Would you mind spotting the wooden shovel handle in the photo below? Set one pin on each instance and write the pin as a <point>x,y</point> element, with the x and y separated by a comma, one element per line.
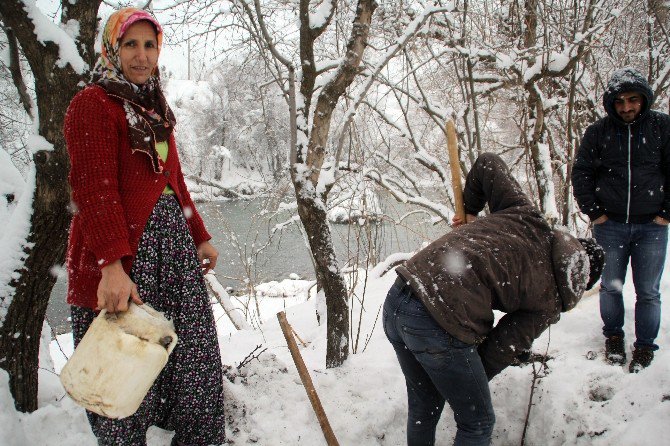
<point>455,166</point>
<point>331,440</point>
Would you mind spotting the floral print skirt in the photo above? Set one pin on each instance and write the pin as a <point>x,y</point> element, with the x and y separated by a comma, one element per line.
<point>187,397</point>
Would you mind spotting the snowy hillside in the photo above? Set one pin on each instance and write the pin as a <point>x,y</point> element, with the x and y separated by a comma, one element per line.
<point>579,401</point>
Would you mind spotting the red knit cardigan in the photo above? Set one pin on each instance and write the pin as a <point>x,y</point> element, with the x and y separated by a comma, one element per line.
<point>113,191</point>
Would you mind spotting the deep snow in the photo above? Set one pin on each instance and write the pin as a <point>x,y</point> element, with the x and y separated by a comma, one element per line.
<point>580,401</point>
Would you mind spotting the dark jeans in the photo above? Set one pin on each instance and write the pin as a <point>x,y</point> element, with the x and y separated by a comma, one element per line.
<point>645,245</point>
<point>437,367</point>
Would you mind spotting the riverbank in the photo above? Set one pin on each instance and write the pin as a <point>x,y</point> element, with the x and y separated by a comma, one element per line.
<point>257,247</point>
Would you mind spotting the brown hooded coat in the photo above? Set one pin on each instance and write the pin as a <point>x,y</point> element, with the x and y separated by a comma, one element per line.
<point>505,261</point>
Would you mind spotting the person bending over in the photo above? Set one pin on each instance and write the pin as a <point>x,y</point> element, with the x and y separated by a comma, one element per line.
<point>438,315</point>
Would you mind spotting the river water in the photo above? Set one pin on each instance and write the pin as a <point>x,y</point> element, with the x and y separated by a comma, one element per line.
<point>250,251</point>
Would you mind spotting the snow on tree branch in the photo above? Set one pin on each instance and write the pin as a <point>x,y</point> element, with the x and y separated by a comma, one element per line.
<point>47,31</point>
<point>13,239</point>
<point>405,196</point>
<point>411,30</point>
<point>319,19</point>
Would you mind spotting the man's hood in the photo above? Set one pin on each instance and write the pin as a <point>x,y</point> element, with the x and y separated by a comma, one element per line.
<point>625,80</point>
<point>571,268</point>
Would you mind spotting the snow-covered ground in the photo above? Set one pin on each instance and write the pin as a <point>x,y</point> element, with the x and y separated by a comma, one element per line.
<point>580,401</point>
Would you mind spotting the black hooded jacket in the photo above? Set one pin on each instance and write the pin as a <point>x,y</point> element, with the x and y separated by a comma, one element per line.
<point>622,169</point>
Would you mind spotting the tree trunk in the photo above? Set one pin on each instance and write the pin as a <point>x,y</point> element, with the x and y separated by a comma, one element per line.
<point>55,86</point>
<point>311,202</point>
<point>535,138</point>
<point>541,158</point>
<point>315,222</point>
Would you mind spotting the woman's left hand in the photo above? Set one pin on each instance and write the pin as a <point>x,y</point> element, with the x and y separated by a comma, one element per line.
<point>207,256</point>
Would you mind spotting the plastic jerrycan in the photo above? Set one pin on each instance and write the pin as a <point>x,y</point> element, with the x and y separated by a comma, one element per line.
<point>118,359</point>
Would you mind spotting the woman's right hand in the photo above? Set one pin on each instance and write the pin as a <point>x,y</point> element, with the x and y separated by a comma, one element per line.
<point>116,289</point>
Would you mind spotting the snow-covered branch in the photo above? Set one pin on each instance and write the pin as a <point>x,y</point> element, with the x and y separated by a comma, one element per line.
<point>46,31</point>
<point>400,43</point>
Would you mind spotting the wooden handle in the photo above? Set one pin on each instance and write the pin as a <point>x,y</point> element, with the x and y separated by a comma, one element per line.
<point>297,336</point>
<point>331,440</point>
<point>455,166</point>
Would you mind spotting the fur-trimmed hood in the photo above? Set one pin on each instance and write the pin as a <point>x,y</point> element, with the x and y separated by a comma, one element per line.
<point>571,268</point>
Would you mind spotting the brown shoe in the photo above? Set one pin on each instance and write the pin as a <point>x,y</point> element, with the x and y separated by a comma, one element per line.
<point>615,350</point>
<point>642,357</point>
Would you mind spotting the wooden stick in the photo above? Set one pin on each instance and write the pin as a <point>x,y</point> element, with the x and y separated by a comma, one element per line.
<point>331,440</point>
<point>223,298</point>
<point>455,166</point>
<point>304,344</point>
<point>530,404</point>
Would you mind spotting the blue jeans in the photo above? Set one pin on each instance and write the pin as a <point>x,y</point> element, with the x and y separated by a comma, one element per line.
<point>437,367</point>
<point>645,245</point>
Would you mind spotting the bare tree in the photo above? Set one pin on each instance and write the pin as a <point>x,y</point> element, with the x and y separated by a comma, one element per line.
<point>56,81</point>
<point>508,64</point>
<point>520,78</point>
<point>315,157</point>
<point>308,156</point>
<point>14,106</point>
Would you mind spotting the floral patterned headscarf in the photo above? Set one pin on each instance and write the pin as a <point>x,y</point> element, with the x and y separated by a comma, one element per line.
<point>149,117</point>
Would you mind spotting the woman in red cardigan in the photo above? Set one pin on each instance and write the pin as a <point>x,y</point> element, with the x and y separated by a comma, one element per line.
<point>137,235</point>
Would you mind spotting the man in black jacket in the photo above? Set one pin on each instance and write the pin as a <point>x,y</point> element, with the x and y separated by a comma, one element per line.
<point>439,314</point>
<point>620,178</point>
